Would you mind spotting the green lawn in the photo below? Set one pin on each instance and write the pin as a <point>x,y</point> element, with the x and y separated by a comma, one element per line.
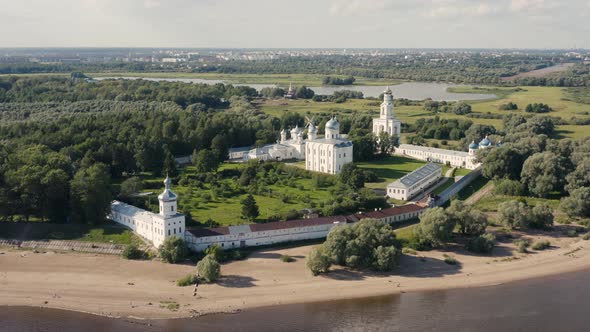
<point>473,187</point>
<point>490,203</point>
<point>390,169</point>
<point>448,182</point>
<point>462,171</point>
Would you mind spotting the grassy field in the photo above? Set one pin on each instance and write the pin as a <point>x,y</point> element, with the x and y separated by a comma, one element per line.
<point>390,169</point>
<point>490,203</point>
<point>560,99</point>
<point>278,79</point>
<point>107,233</point>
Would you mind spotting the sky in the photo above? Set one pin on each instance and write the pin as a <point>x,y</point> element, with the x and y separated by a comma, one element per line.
<point>296,23</point>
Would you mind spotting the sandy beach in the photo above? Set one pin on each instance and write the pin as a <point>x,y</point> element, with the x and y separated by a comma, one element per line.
<point>111,286</point>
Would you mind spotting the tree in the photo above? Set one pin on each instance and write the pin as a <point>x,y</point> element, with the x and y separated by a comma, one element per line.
<point>205,161</point>
<point>173,250</point>
<point>483,244</point>
<point>580,177</point>
<point>250,208</point>
<point>538,108</point>
<point>90,194</point>
<point>577,204</point>
<point>219,147</point>
<point>435,227</point>
<point>470,221</point>
<point>352,176</point>
<point>541,216</point>
<point>169,167</point>
<point>461,108</point>
<point>385,258</point>
<point>513,214</point>
<point>209,269</point>
<point>131,186</point>
<point>317,261</point>
<point>543,173</point>
<point>386,143</point>
<point>502,162</point>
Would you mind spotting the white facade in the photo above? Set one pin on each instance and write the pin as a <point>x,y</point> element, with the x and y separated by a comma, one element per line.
<point>329,154</point>
<point>454,158</point>
<point>415,182</point>
<point>151,226</point>
<point>386,121</point>
<point>288,231</point>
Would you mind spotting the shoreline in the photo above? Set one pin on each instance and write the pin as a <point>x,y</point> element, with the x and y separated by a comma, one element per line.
<point>140,290</point>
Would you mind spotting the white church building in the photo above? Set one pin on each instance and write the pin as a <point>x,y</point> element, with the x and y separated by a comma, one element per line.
<point>386,121</point>
<point>328,154</point>
<point>325,155</point>
<point>153,227</point>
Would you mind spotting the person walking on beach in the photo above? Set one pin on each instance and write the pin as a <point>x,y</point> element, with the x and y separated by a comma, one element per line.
<point>196,286</point>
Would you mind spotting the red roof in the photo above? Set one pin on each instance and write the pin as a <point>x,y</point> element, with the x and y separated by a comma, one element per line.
<point>298,223</point>
<point>204,232</point>
<point>394,211</point>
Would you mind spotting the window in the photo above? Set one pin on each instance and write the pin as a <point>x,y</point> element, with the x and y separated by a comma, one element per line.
<point>172,208</point>
<point>168,232</point>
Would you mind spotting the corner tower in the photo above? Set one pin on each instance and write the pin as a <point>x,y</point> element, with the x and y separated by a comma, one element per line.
<point>168,201</point>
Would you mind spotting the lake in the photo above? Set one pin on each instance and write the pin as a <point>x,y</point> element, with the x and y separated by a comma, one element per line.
<point>555,303</point>
<point>408,90</point>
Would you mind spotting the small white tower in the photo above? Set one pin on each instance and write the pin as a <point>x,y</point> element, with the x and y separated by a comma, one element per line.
<point>332,129</point>
<point>387,105</point>
<point>283,136</point>
<point>167,198</point>
<point>295,132</point>
<point>473,148</point>
<point>312,131</point>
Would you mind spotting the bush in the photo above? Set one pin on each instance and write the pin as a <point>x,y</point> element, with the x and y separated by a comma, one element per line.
<point>586,237</point>
<point>216,253</point>
<point>208,269</point>
<point>317,261</point>
<point>133,252</point>
<point>522,245</point>
<point>483,244</point>
<point>187,280</point>
<point>450,260</point>
<point>173,250</point>
<point>541,245</point>
<point>287,259</point>
<point>509,187</point>
<point>541,216</point>
<point>538,108</point>
<point>513,214</point>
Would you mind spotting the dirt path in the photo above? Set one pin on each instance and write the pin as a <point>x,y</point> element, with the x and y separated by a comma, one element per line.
<point>485,191</point>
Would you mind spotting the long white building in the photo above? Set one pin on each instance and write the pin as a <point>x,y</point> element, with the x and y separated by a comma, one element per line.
<point>453,158</point>
<point>153,227</point>
<point>415,182</point>
<point>386,122</point>
<point>287,231</point>
<point>328,154</point>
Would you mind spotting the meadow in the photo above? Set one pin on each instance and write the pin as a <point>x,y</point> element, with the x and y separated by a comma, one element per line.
<point>282,80</point>
<point>567,103</point>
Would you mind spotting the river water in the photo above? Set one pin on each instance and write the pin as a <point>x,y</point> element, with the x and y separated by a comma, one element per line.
<point>408,90</point>
<point>557,303</point>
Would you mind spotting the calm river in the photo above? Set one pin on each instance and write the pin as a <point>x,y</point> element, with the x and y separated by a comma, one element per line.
<point>549,304</point>
<point>408,90</point>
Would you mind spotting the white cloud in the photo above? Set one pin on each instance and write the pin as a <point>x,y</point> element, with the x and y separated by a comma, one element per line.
<point>518,5</point>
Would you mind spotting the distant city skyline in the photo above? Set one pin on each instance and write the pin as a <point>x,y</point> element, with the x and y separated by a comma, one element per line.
<point>536,24</point>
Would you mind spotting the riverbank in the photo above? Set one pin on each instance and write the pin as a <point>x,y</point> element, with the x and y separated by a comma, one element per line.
<point>111,286</point>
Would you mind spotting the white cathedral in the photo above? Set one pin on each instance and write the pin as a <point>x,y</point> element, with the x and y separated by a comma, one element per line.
<point>325,155</point>
<point>386,122</point>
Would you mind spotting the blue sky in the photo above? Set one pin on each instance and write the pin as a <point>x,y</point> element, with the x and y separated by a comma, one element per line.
<point>296,23</point>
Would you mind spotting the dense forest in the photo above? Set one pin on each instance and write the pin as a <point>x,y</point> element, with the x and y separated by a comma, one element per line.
<point>57,137</point>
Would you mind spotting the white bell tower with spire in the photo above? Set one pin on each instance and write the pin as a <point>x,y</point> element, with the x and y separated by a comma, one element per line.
<point>386,121</point>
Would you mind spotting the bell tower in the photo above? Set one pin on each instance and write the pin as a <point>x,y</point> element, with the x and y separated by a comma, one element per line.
<point>387,105</point>
<point>168,201</point>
